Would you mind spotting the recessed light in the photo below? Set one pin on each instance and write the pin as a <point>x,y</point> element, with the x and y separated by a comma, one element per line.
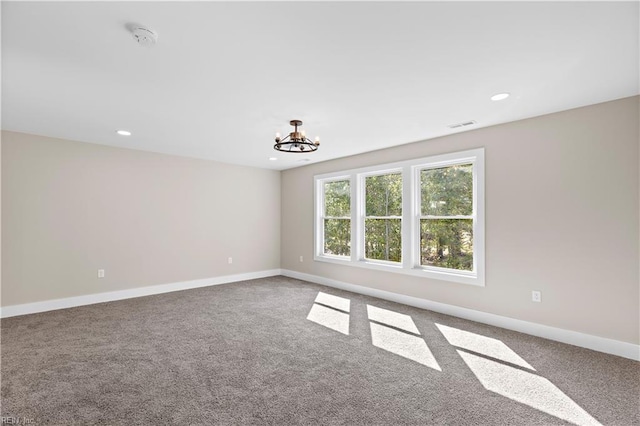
<point>500,96</point>
<point>123,132</point>
<point>272,158</point>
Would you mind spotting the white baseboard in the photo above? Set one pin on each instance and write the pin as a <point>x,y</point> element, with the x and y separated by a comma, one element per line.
<point>601,344</point>
<point>90,299</point>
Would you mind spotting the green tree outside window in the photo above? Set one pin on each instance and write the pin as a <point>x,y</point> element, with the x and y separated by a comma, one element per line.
<point>383,217</point>
<point>446,222</point>
<point>337,218</point>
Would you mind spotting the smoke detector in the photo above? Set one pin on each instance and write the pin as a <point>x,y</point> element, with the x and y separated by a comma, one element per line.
<point>144,36</point>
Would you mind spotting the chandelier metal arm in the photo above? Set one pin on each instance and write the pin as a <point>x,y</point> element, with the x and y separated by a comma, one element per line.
<point>296,142</point>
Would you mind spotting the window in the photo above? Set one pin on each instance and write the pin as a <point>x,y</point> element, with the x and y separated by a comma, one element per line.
<point>422,217</point>
<point>446,220</point>
<point>337,218</point>
<point>383,217</point>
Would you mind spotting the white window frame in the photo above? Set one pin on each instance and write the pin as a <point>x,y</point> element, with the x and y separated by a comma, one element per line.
<point>320,215</point>
<point>362,215</point>
<point>411,215</point>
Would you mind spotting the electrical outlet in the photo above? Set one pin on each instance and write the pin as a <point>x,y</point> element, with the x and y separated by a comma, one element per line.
<point>301,259</point>
<point>100,273</point>
<point>230,260</point>
<point>536,296</point>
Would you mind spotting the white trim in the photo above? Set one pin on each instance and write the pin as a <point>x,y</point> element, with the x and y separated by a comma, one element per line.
<point>362,215</point>
<point>319,206</point>
<point>409,232</point>
<point>461,277</point>
<point>357,250</point>
<point>90,299</point>
<point>596,343</point>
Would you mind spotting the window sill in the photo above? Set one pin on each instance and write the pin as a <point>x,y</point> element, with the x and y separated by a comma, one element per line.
<point>443,275</point>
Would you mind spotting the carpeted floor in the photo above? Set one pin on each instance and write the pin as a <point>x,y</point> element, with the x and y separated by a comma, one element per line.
<point>282,351</point>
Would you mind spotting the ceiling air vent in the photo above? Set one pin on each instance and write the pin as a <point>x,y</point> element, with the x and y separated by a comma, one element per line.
<point>458,125</point>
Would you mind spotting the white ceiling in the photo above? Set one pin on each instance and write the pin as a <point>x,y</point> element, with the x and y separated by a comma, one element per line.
<point>224,77</point>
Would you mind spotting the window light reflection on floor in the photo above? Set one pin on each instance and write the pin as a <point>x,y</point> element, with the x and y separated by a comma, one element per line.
<point>526,388</point>
<point>394,319</point>
<point>335,317</point>
<point>482,344</point>
<point>396,333</point>
<point>403,344</point>
<point>490,364</point>
<point>333,301</point>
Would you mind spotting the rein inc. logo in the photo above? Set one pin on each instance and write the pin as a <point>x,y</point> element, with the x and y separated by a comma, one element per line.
<point>7,420</point>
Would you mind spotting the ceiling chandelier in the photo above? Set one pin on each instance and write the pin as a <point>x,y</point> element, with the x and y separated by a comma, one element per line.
<point>296,141</point>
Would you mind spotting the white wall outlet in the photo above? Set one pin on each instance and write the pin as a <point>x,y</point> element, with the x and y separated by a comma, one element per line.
<point>536,296</point>
<point>230,260</point>
<point>100,273</point>
<point>301,259</point>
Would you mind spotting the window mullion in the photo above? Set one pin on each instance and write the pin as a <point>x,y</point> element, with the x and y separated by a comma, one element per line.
<point>408,255</point>
<point>356,226</point>
<point>319,218</point>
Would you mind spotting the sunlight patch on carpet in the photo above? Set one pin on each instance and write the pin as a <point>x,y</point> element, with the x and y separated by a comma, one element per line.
<point>394,319</point>
<point>482,345</point>
<point>403,344</point>
<point>526,388</point>
<point>330,318</point>
<point>334,301</point>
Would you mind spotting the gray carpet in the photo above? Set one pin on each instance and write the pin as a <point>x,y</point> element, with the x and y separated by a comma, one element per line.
<point>280,351</point>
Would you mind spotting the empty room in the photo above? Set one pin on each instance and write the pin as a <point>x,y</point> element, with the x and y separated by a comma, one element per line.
<point>329,213</point>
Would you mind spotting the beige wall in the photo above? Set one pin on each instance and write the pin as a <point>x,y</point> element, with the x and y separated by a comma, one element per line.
<point>561,217</point>
<point>0,222</point>
<point>70,208</point>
